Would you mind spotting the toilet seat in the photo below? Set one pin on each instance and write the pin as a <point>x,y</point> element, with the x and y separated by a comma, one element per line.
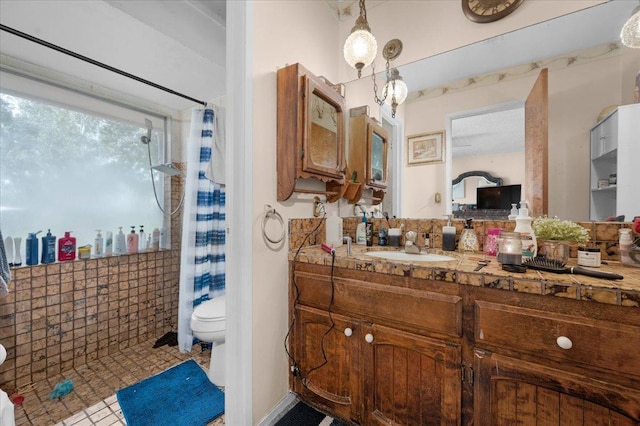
<point>209,316</point>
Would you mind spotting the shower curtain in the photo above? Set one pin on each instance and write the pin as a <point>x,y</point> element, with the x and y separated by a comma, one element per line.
<point>202,262</point>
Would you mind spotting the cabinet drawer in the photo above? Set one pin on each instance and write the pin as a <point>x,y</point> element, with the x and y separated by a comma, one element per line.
<point>409,309</point>
<point>603,344</point>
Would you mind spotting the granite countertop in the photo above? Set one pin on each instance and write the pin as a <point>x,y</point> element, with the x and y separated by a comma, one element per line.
<point>625,292</point>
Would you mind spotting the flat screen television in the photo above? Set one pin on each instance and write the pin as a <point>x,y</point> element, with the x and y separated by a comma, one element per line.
<point>497,197</point>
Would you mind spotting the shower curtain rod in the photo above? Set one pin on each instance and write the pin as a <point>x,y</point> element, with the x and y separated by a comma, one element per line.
<point>94,62</point>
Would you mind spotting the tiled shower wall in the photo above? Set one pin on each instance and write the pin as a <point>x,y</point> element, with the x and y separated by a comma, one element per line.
<point>64,314</point>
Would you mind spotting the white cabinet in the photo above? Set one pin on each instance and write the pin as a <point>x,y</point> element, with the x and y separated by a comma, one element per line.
<point>615,148</point>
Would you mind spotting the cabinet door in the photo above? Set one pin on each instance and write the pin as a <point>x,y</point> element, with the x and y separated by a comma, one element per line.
<point>510,391</point>
<point>409,379</point>
<point>328,361</point>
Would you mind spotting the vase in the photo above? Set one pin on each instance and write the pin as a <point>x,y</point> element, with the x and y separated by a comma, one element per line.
<point>556,250</point>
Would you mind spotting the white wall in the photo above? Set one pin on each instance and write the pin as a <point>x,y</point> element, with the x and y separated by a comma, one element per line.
<point>285,32</point>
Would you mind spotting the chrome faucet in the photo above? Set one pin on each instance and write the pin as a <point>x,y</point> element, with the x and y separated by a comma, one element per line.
<point>410,245</point>
<point>347,240</point>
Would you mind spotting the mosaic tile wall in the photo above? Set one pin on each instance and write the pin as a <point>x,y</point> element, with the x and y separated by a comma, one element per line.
<point>603,234</point>
<point>61,315</point>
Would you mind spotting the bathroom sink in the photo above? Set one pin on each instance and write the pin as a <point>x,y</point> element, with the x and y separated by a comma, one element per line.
<point>409,257</point>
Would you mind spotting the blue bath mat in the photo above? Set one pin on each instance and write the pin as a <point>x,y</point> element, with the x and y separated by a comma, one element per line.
<point>179,396</point>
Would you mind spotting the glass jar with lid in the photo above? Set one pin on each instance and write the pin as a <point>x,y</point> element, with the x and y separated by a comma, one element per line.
<point>509,248</point>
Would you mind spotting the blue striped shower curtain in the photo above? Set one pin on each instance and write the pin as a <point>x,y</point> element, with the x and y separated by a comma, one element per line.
<point>202,263</point>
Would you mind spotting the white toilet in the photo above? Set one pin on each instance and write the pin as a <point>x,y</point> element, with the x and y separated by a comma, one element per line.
<point>208,323</point>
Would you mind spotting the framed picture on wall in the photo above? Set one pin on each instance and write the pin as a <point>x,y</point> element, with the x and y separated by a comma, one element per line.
<point>425,148</point>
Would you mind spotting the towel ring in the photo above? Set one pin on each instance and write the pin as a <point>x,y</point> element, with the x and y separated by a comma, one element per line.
<point>268,213</point>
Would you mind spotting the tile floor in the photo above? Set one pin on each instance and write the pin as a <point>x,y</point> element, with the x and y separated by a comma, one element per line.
<point>93,400</point>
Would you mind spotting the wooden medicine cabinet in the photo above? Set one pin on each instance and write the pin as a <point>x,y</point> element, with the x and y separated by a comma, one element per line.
<point>368,150</point>
<point>310,131</point>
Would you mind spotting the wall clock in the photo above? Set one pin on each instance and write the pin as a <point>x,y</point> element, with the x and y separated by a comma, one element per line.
<point>483,11</point>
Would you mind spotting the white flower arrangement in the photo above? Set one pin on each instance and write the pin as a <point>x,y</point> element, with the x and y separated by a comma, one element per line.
<point>547,228</point>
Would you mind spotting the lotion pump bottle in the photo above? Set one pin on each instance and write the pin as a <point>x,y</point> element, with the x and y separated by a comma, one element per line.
<point>108,244</point>
<point>523,227</point>
<point>121,243</point>
<point>142,238</point>
<point>514,211</point>
<point>132,241</point>
<point>361,231</point>
<point>449,236</point>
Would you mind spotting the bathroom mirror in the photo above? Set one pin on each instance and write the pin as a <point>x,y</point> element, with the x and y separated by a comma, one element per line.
<point>323,133</point>
<point>605,73</point>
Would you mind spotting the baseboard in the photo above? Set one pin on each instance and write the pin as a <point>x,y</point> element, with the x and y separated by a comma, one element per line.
<point>279,410</point>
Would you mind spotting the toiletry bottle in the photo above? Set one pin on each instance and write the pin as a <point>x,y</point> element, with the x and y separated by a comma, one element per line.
<point>67,247</point>
<point>514,212</point>
<point>361,231</point>
<point>108,244</point>
<point>98,245</point>
<point>48,248</point>
<point>17,259</point>
<point>32,248</point>
<point>333,235</point>
<point>132,241</point>
<point>120,246</point>
<point>468,238</point>
<point>449,236</point>
<point>164,241</point>
<point>155,240</point>
<point>625,242</point>
<point>142,240</point>
<point>523,227</point>
<point>368,226</point>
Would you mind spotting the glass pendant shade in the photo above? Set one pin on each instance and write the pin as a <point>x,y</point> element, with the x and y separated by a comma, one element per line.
<point>401,91</point>
<point>360,49</point>
<point>630,34</point>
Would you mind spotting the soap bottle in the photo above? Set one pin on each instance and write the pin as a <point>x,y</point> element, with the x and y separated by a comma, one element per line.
<point>142,239</point>
<point>468,238</point>
<point>98,245</point>
<point>132,241</point>
<point>32,248</point>
<point>449,236</point>
<point>523,227</point>
<point>625,243</point>
<point>164,241</point>
<point>67,247</point>
<point>120,246</point>
<point>333,231</point>
<point>48,248</point>
<point>368,230</point>
<point>361,231</point>
<point>108,244</point>
<point>514,211</point>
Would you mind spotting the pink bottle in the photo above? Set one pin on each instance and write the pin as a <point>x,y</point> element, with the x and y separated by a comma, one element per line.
<point>66,247</point>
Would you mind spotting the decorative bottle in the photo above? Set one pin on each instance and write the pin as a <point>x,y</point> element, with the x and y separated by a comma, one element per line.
<point>468,238</point>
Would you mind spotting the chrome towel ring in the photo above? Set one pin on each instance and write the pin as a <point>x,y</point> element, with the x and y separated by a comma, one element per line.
<point>270,212</point>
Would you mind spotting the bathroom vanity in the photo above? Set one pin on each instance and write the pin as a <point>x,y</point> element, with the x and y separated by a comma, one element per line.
<point>438,343</point>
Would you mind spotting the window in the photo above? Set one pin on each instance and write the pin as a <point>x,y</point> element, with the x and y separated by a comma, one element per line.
<point>71,162</point>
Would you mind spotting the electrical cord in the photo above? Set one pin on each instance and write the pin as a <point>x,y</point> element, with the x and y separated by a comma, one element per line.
<point>296,297</point>
<point>155,193</point>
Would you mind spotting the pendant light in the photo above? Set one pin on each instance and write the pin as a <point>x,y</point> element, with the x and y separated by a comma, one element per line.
<point>361,47</point>
<point>395,90</point>
<point>630,34</point>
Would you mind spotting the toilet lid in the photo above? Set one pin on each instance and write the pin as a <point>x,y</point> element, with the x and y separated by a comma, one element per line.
<point>211,310</point>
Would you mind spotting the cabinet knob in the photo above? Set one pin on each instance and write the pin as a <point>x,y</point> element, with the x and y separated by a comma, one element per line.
<point>564,342</point>
<point>348,332</point>
<point>369,337</point>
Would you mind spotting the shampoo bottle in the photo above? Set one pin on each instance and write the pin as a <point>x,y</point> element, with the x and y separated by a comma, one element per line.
<point>108,244</point>
<point>142,239</point>
<point>48,248</point>
<point>449,236</point>
<point>164,241</point>
<point>32,248</point>
<point>523,227</point>
<point>369,232</point>
<point>98,244</point>
<point>132,241</point>
<point>121,243</point>
<point>66,247</point>
<point>333,235</point>
<point>361,231</point>
<point>155,240</point>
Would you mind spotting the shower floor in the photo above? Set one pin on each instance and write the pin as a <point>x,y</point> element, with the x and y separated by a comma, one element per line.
<point>93,400</point>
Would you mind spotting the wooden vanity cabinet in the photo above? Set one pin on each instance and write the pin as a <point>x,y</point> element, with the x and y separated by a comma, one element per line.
<point>523,375</point>
<point>381,367</point>
<point>310,130</point>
